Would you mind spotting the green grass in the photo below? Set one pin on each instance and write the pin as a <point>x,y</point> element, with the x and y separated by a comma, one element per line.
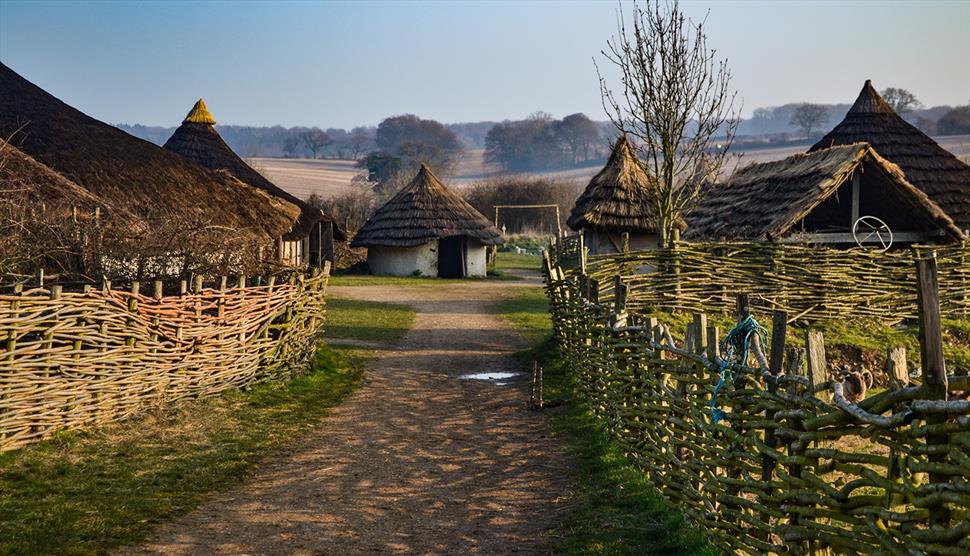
<point>369,280</point>
<point>856,342</point>
<point>86,493</point>
<point>367,320</point>
<point>518,261</point>
<point>613,509</point>
<point>528,312</point>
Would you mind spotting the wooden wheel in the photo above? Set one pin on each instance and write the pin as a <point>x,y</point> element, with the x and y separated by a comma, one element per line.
<point>869,229</point>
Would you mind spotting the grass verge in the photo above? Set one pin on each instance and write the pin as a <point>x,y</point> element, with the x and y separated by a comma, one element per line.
<point>367,321</point>
<point>521,261</point>
<point>86,493</point>
<point>370,280</point>
<point>613,509</point>
<point>90,492</point>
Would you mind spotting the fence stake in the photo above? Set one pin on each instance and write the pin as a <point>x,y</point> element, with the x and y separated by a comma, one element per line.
<point>779,329</point>
<point>896,368</point>
<point>815,355</point>
<point>934,369</point>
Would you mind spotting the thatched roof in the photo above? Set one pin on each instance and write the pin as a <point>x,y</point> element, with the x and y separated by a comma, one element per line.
<point>129,173</point>
<point>199,114</point>
<point>423,211</point>
<point>23,178</point>
<point>764,201</point>
<point>197,140</point>
<point>618,198</point>
<point>927,165</point>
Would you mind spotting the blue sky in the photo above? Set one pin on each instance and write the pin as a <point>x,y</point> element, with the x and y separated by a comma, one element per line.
<point>340,64</point>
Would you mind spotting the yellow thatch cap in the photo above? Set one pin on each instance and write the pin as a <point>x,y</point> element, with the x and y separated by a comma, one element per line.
<point>199,115</point>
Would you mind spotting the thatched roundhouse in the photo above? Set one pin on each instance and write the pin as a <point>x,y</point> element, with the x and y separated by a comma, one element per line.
<point>816,198</point>
<point>24,180</point>
<point>429,230</point>
<point>158,186</point>
<point>617,201</point>
<point>928,166</point>
<point>309,241</point>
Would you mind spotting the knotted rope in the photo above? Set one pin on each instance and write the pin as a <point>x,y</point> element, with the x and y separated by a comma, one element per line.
<point>735,349</point>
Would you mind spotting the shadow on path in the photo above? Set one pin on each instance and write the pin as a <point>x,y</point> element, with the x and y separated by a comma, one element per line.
<point>416,461</point>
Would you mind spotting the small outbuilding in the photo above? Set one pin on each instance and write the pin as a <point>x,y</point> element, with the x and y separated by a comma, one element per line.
<point>618,203</point>
<point>927,165</point>
<point>428,230</point>
<point>309,241</point>
<point>840,196</point>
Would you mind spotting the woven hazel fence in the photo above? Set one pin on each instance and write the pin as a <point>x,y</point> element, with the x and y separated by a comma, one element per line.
<point>792,466</point>
<point>808,283</point>
<point>71,359</point>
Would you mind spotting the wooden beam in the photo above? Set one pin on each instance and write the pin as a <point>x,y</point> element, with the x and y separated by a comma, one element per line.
<point>856,186</point>
<point>842,237</point>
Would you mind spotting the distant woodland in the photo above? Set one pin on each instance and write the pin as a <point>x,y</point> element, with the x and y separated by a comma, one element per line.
<point>541,141</point>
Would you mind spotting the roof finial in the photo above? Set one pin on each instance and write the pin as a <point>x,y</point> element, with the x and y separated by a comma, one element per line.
<point>199,115</point>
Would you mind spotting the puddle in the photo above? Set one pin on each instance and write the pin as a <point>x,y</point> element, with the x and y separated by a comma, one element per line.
<point>500,379</point>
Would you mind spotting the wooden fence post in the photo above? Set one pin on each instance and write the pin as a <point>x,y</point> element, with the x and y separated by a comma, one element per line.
<point>934,371</point>
<point>742,306</point>
<point>620,291</point>
<point>794,366</point>
<point>582,253</point>
<point>896,368</point>
<point>815,355</point>
<point>594,290</point>
<point>779,329</point>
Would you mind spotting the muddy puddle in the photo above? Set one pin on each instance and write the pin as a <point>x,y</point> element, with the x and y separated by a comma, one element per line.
<point>497,378</point>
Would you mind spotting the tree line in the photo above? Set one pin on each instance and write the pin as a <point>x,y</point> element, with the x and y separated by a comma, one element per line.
<point>541,142</point>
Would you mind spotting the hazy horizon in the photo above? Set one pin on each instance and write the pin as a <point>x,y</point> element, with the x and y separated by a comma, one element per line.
<point>346,64</point>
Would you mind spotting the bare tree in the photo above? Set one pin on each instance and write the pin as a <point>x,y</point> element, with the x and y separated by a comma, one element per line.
<point>360,140</point>
<point>290,146</point>
<point>901,100</point>
<point>808,117</point>
<point>314,140</point>
<point>673,100</point>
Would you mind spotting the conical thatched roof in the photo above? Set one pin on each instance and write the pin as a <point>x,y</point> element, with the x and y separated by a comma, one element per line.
<point>618,198</point>
<point>197,140</point>
<point>423,211</point>
<point>763,201</point>
<point>199,114</point>
<point>129,173</point>
<point>927,165</point>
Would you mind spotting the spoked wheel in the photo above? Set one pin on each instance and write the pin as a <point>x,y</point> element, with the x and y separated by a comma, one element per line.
<point>869,229</point>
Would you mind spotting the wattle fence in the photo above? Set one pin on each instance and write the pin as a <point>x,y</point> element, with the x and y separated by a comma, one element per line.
<point>811,283</point>
<point>71,359</point>
<point>755,438</point>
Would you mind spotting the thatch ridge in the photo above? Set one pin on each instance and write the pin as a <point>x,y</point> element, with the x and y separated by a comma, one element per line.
<point>129,173</point>
<point>197,140</point>
<point>928,166</point>
<point>423,211</point>
<point>618,198</point>
<point>764,201</point>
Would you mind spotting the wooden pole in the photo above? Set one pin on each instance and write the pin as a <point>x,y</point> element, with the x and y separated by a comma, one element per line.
<point>934,370</point>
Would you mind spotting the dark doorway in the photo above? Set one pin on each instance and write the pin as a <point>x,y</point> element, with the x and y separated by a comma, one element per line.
<point>451,257</point>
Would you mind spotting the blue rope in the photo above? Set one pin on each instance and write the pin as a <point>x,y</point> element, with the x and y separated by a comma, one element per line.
<point>735,351</point>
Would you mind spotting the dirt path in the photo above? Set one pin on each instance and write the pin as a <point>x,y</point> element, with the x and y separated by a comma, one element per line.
<point>417,461</point>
